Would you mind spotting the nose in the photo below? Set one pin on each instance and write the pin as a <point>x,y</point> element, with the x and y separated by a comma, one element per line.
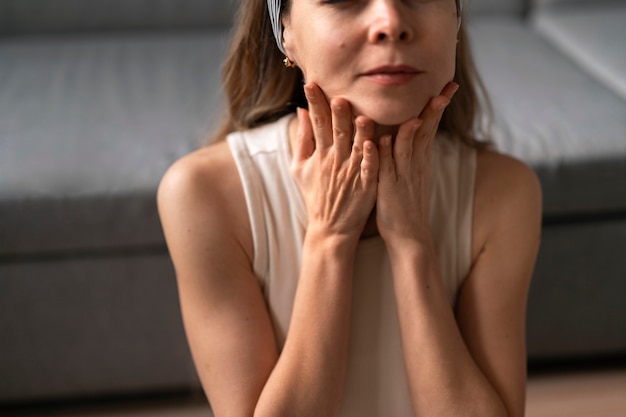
<point>389,23</point>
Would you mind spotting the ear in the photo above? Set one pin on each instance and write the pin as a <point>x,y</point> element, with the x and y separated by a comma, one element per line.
<point>288,37</point>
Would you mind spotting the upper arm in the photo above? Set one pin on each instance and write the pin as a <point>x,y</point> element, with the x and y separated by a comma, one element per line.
<point>202,210</point>
<point>491,308</point>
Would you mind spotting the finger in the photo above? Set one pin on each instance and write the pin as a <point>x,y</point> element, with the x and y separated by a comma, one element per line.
<point>387,171</point>
<point>449,90</point>
<point>342,125</point>
<point>434,109</point>
<point>364,132</point>
<point>403,147</point>
<point>369,165</point>
<point>319,112</point>
<point>304,145</point>
<point>431,115</point>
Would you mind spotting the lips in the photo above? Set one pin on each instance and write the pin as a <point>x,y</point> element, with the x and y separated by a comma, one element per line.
<point>392,74</point>
<point>393,69</point>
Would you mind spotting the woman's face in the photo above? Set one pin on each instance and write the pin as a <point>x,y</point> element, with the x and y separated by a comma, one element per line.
<point>386,57</point>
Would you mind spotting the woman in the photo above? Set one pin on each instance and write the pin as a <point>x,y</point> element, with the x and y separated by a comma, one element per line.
<point>367,256</point>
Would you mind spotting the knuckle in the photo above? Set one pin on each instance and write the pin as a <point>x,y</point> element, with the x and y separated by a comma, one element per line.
<point>340,133</point>
<point>319,121</point>
<point>368,169</point>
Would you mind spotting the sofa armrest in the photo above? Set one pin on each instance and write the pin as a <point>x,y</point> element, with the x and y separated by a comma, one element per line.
<point>19,17</point>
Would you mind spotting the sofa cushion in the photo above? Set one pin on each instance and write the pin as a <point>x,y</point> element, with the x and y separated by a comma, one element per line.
<point>87,128</point>
<point>594,36</point>
<point>494,6</point>
<point>576,302</point>
<point>91,326</point>
<point>555,116</point>
<point>558,3</point>
<point>46,16</point>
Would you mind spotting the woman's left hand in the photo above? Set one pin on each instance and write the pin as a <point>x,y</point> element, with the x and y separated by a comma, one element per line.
<point>402,205</point>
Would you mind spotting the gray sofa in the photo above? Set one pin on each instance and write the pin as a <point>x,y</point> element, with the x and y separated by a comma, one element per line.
<point>98,98</point>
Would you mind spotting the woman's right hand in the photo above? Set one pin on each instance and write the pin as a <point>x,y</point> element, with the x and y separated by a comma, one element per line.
<point>335,164</point>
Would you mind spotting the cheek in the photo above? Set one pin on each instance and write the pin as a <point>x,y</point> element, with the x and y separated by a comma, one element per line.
<point>322,53</point>
<point>445,61</point>
<point>449,66</point>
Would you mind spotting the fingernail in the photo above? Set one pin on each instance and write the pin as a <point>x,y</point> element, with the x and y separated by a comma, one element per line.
<point>386,140</point>
<point>454,89</point>
<point>308,91</point>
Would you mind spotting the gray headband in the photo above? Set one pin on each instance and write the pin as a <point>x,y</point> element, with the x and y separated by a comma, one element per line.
<point>274,6</point>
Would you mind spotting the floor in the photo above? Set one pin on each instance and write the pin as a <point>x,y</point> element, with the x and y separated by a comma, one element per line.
<point>584,393</point>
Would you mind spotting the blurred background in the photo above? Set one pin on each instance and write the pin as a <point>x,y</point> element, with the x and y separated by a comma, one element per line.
<point>99,97</point>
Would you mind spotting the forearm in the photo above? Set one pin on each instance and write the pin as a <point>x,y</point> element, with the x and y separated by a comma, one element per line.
<point>309,375</point>
<point>443,377</point>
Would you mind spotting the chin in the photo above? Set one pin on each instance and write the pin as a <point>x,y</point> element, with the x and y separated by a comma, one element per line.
<point>391,119</point>
<point>391,113</point>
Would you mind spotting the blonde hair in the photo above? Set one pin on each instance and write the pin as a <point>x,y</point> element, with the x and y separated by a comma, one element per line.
<point>259,89</point>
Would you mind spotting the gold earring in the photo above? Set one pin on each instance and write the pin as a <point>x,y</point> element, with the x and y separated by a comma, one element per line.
<point>289,63</point>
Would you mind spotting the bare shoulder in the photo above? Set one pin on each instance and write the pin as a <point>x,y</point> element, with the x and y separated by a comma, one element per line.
<point>504,172</point>
<point>507,195</point>
<point>201,200</point>
<point>205,167</point>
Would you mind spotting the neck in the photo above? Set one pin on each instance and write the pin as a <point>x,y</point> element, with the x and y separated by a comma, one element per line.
<point>382,130</point>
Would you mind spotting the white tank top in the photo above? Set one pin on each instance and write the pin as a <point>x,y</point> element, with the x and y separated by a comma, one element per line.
<point>376,383</point>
